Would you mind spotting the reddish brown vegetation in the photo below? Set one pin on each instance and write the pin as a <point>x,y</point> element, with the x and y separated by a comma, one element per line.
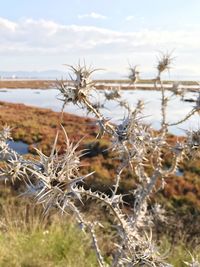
<point>33,84</point>
<point>38,128</point>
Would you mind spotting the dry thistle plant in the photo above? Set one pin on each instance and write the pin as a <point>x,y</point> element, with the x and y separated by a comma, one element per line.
<point>164,63</point>
<point>54,180</point>
<point>134,74</point>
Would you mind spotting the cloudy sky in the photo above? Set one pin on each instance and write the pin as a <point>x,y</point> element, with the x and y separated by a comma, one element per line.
<point>45,34</point>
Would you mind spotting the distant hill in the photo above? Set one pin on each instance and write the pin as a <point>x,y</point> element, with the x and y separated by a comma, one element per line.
<point>98,75</point>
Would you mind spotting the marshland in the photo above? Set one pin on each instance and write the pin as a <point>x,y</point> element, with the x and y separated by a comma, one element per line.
<point>99,133</point>
<point>34,127</point>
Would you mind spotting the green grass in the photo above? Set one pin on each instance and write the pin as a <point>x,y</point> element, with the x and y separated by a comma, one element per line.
<point>57,246</point>
<point>178,254</point>
<point>28,239</point>
<point>61,244</point>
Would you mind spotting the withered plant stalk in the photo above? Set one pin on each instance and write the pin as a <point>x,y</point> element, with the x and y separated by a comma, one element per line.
<point>54,180</point>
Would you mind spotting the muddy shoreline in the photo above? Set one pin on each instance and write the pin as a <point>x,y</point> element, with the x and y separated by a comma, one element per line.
<point>99,84</point>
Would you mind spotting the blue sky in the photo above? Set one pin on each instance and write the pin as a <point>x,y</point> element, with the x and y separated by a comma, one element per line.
<point>45,34</point>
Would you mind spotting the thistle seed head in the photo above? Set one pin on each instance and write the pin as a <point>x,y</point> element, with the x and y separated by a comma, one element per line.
<point>177,89</point>
<point>134,74</point>
<point>80,85</point>
<point>164,62</point>
<point>112,94</point>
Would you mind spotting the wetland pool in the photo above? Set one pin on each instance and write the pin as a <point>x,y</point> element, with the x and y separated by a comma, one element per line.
<point>176,109</point>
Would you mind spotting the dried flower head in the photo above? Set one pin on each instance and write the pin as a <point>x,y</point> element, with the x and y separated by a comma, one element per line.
<point>164,62</point>
<point>5,133</point>
<point>177,88</point>
<point>132,139</point>
<point>6,153</point>
<point>193,142</point>
<point>82,75</point>
<point>80,85</point>
<point>194,138</point>
<point>67,92</point>
<point>134,74</point>
<point>56,177</point>
<point>112,94</point>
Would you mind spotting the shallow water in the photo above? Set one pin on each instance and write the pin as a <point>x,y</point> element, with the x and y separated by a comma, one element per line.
<point>176,110</point>
<point>19,146</point>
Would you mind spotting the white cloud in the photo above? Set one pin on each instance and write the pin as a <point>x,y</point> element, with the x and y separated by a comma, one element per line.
<point>7,25</point>
<point>129,18</point>
<point>48,34</point>
<point>92,15</point>
<point>30,38</point>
